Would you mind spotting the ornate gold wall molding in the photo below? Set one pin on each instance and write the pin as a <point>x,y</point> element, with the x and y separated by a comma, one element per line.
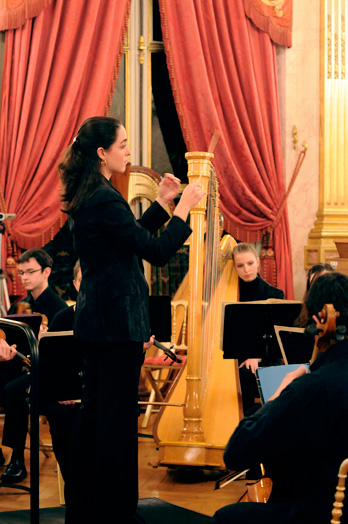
<point>332,215</point>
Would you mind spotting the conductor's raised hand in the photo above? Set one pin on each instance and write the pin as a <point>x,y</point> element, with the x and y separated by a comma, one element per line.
<point>168,189</point>
<point>192,194</point>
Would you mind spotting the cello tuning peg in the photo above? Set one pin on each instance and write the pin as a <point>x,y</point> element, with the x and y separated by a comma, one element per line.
<point>340,333</point>
<point>312,330</point>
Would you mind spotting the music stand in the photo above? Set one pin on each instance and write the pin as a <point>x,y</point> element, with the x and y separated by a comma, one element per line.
<point>296,347</point>
<point>248,327</point>
<point>161,317</point>
<point>32,320</point>
<point>61,364</point>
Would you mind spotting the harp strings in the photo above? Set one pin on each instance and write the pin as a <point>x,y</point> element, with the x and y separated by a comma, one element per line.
<point>211,277</point>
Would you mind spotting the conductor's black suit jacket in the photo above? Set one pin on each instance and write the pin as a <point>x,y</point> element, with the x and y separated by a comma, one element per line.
<point>112,304</point>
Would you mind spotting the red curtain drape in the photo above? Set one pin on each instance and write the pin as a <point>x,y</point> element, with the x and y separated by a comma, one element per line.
<point>223,75</point>
<point>273,17</point>
<point>13,13</point>
<point>59,69</point>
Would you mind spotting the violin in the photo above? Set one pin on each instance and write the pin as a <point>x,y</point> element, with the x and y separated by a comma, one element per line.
<point>23,308</point>
<point>18,354</point>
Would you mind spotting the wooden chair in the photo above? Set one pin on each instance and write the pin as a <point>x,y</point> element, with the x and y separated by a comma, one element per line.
<point>339,494</point>
<point>159,370</point>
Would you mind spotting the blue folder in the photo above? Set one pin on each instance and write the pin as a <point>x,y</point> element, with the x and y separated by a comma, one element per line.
<point>270,378</point>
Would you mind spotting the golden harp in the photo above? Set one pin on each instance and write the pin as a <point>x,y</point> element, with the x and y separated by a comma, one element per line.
<point>209,386</point>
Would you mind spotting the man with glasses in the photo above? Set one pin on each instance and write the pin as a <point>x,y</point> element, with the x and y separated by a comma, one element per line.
<point>34,269</point>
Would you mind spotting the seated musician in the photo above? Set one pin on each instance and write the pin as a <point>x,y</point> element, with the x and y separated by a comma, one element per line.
<point>34,269</point>
<point>300,434</point>
<point>251,288</point>
<point>313,273</point>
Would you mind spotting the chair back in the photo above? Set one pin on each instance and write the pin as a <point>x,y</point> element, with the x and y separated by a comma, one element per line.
<point>339,494</point>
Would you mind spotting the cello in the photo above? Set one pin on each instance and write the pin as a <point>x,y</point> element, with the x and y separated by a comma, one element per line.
<point>325,332</point>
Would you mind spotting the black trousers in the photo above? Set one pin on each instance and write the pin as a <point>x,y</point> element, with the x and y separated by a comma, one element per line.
<point>61,419</point>
<point>102,480</point>
<point>14,399</point>
<point>249,389</point>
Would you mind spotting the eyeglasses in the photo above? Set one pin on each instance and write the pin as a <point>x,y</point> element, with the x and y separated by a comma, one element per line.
<point>28,272</point>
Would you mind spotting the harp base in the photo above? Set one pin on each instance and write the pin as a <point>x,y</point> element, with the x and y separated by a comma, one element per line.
<point>199,454</point>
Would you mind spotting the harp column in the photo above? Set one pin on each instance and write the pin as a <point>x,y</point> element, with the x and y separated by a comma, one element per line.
<point>199,164</point>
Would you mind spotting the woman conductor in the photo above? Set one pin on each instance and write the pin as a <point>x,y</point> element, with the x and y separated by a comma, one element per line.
<point>112,318</point>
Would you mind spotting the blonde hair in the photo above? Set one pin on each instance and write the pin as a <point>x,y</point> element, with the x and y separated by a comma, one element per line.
<point>243,247</point>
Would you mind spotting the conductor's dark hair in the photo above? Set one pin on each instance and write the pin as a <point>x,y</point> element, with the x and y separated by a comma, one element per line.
<point>41,256</point>
<point>79,168</point>
<point>330,288</point>
<point>315,271</point>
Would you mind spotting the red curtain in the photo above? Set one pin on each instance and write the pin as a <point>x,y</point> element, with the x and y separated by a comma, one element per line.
<point>13,13</point>
<point>59,69</point>
<point>223,76</point>
<point>273,17</point>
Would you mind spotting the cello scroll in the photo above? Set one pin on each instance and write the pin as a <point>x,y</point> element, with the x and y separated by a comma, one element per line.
<point>326,330</point>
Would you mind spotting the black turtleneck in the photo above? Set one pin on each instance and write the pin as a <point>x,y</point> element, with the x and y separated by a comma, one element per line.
<point>258,289</point>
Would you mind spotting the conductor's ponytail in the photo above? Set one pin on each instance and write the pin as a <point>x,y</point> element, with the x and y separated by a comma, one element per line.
<point>79,168</point>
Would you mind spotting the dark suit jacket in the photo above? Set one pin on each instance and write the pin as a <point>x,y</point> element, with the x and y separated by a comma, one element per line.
<point>112,304</point>
<point>48,303</point>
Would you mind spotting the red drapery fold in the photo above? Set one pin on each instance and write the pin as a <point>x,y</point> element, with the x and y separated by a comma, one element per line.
<point>223,75</point>
<point>13,13</point>
<point>274,17</point>
<point>59,70</point>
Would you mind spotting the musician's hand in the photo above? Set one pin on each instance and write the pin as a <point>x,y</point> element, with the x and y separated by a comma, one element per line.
<point>43,329</point>
<point>301,370</point>
<point>148,344</point>
<point>251,363</point>
<point>67,402</point>
<point>192,194</point>
<point>7,352</point>
<point>168,189</point>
